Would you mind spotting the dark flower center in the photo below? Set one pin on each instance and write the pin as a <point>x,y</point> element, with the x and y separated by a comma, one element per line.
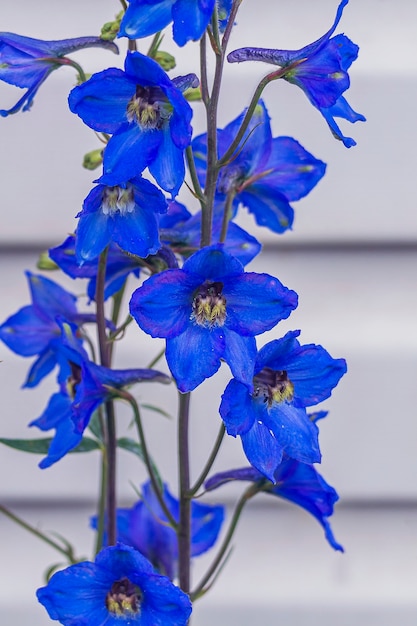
<point>209,305</point>
<point>74,379</point>
<point>124,598</point>
<point>149,108</point>
<point>118,200</point>
<point>273,386</point>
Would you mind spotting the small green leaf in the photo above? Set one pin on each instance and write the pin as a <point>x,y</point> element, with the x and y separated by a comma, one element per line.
<point>95,426</point>
<point>156,409</point>
<point>132,446</point>
<point>41,446</point>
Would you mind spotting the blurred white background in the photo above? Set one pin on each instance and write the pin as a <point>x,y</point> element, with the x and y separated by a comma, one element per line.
<point>351,257</point>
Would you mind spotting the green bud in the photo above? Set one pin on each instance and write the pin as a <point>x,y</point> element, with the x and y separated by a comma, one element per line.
<point>165,60</point>
<point>110,29</point>
<point>193,94</point>
<point>46,263</point>
<point>92,160</point>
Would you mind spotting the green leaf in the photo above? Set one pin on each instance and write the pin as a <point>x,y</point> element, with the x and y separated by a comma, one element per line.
<point>132,446</point>
<point>94,426</point>
<point>156,409</point>
<point>41,446</point>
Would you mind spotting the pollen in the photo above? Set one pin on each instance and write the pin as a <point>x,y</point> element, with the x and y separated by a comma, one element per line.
<point>273,386</point>
<point>118,200</point>
<point>124,598</point>
<point>209,305</point>
<point>149,108</point>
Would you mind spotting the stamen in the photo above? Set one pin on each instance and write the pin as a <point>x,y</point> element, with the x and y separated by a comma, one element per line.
<point>273,386</point>
<point>118,199</point>
<point>124,598</point>
<point>149,108</point>
<point>209,305</point>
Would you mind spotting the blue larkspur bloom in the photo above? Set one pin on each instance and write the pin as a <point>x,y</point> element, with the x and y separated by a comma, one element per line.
<point>182,231</point>
<point>265,174</point>
<point>271,419</point>
<point>320,69</point>
<point>27,62</point>
<point>34,330</point>
<point>147,116</point>
<point>145,527</point>
<point>210,310</point>
<point>294,481</point>
<point>118,266</point>
<point>125,215</point>
<point>190,18</point>
<point>83,387</point>
<point>120,587</point>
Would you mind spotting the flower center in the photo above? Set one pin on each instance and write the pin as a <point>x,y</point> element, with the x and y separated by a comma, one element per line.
<point>209,305</point>
<point>74,379</point>
<point>118,200</point>
<point>149,108</point>
<point>124,598</point>
<point>273,386</point>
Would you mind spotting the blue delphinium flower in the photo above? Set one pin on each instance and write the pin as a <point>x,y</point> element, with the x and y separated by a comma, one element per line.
<point>320,70</point>
<point>298,482</point>
<point>265,174</point>
<point>190,18</point>
<point>182,231</point>
<point>210,310</point>
<point>145,527</point>
<point>147,115</point>
<point>34,329</point>
<point>120,587</point>
<point>125,215</point>
<point>272,419</point>
<point>84,386</point>
<point>118,266</point>
<point>27,62</point>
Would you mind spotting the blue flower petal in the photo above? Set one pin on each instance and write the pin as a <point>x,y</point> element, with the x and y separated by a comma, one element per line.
<point>297,435</point>
<point>262,449</point>
<point>191,19</point>
<point>236,409</point>
<point>256,302</point>
<point>240,354</point>
<point>168,167</point>
<point>194,356</point>
<point>269,206</point>
<point>43,365</point>
<point>102,100</point>
<point>162,305</point>
<point>144,18</point>
<point>94,232</point>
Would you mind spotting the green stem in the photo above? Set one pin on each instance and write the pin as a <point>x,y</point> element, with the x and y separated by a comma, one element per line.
<point>156,359</point>
<point>251,491</point>
<point>250,111</point>
<point>101,513</point>
<point>111,444</point>
<point>146,457</point>
<point>184,527</point>
<point>65,551</point>
<point>227,214</point>
<point>210,461</point>
<point>194,178</point>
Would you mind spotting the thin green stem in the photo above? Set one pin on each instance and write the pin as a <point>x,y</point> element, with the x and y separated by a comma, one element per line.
<point>184,527</point>
<point>156,359</point>
<point>146,457</point>
<point>227,215</point>
<point>194,177</point>
<point>205,95</point>
<point>101,513</point>
<point>250,111</point>
<point>65,551</point>
<point>251,491</point>
<point>71,63</point>
<point>210,461</point>
<point>111,443</point>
